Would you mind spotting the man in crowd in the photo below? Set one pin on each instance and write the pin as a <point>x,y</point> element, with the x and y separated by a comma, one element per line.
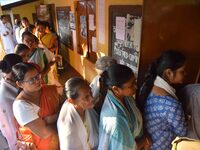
<point>6,35</point>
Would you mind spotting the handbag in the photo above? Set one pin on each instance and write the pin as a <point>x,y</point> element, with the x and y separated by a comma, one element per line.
<point>184,143</point>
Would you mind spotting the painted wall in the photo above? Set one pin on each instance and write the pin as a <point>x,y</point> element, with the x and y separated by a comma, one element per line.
<point>80,63</point>
<point>26,10</point>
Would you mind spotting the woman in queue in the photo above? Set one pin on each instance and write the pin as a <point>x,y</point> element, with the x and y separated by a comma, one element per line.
<point>36,109</point>
<point>101,65</point>
<point>163,114</point>
<point>78,122</point>
<point>120,119</point>
<point>8,93</point>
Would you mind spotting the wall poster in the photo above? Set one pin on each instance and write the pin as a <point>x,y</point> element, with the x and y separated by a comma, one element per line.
<point>83,26</point>
<point>45,13</point>
<point>125,35</point>
<point>63,17</point>
<point>72,20</point>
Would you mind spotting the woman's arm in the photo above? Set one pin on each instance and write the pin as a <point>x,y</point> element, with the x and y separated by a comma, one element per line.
<point>51,119</point>
<point>176,118</point>
<point>40,128</point>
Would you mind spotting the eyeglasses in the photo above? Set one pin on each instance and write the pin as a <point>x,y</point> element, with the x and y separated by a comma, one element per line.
<point>34,79</point>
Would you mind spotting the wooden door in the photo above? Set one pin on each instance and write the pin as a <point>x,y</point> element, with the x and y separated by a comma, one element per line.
<point>171,25</point>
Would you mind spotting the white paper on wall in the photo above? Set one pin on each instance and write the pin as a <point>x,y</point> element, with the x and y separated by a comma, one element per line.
<point>101,21</point>
<point>120,28</point>
<point>94,44</point>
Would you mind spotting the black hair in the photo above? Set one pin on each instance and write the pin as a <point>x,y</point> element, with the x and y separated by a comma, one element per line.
<point>19,70</point>
<point>28,33</point>
<point>116,75</point>
<point>25,18</point>
<point>19,23</point>
<point>170,59</point>
<point>3,16</point>
<point>21,48</point>
<point>9,61</point>
<point>72,87</point>
<point>42,23</point>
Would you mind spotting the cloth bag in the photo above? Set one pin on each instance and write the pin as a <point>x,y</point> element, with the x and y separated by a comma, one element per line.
<point>184,143</point>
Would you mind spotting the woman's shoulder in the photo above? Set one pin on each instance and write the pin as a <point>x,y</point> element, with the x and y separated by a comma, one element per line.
<point>24,104</point>
<point>67,113</point>
<point>40,50</point>
<point>114,123</point>
<point>161,98</point>
<point>49,35</point>
<point>161,103</point>
<point>6,87</point>
<point>49,88</point>
<point>95,80</point>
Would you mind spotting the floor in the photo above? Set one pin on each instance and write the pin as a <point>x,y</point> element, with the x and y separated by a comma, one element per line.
<point>66,73</point>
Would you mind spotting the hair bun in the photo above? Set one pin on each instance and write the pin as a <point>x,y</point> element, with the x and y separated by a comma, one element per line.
<point>3,65</point>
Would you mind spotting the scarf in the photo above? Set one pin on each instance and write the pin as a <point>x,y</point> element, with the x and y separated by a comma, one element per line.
<point>159,82</point>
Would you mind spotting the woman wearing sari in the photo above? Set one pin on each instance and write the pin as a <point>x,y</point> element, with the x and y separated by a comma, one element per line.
<point>36,55</point>
<point>8,93</point>
<point>163,113</point>
<point>43,58</point>
<point>36,108</point>
<point>78,122</point>
<point>120,119</point>
<point>48,41</point>
<point>101,65</point>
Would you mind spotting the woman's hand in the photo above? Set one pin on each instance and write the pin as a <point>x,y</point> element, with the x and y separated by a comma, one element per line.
<point>21,145</point>
<point>144,143</point>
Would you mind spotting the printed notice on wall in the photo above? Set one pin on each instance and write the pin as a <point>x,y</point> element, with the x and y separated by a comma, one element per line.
<point>72,20</point>
<point>94,44</point>
<point>74,40</point>
<point>120,28</point>
<point>101,21</point>
<point>91,22</point>
<point>126,40</point>
<point>83,26</point>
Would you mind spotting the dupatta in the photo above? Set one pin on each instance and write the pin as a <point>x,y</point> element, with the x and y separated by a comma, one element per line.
<point>118,129</point>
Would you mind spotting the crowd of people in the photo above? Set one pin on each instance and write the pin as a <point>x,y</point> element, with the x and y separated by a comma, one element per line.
<point>37,114</point>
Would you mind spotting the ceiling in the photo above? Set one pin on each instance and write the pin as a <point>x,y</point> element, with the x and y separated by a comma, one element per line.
<point>6,2</point>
